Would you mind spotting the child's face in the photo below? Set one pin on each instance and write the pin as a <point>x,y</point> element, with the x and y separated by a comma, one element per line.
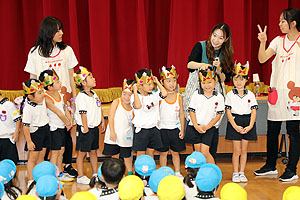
<point>56,86</point>
<point>217,39</point>
<point>58,35</point>
<point>147,87</point>
<point>170,84</point>
<point>208,86</point>
<point>38,96</point>
<point>126,97</point>
<point>239,82</point>
<point>89,81</point>
<point>283,24</point>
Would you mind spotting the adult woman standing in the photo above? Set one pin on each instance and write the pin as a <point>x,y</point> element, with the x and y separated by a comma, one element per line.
<point>50,52</point>
<point>285,70</point>
<point>216,51</point>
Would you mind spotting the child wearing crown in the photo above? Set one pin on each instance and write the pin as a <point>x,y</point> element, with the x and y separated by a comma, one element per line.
<point>35,124</point>
<point>241,109</point>
<point>119,136</point>
<point>205,109</point>
<point>171,120</point>
<point>88,116</point>
<point>145,104</point>
<point>60,120</point>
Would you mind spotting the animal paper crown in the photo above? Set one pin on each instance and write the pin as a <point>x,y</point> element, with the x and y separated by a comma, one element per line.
<point>34,86</point>
<point>81,76</point>
<point>126,87</point>
<point>144,79</point>
<point>209,75</point>
<point>48,80</point>
<point>241,70</point>
<point>168,73</point>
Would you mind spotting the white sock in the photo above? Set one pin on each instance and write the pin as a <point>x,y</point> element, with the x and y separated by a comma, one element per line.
<point>235,174</point>
<point>241,173</point>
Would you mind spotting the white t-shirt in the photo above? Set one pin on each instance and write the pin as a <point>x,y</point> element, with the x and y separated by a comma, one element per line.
<point>190,193</point>
<point>9,115</point>
<point>91,106</point>
<point>35,115</point>
<point>150,195</point>
<point>240,105</point>
<point>206,108</point>
<point>274,43</point>
<point>54,121</point>
<point>169,113</point>
<point>122,125</point>
<point>60,60</point>
<point>105,193</point>
<point>148,115</point>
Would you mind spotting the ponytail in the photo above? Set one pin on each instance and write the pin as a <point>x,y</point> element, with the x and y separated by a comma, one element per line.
<point>12,194</point>
<point>22,103</point>
<point>191,174</point>
<point>30,187</point>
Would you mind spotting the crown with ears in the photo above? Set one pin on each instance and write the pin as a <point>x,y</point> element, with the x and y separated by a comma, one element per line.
<point>241,70</point>
<point>34,86</point>
<point>168,73</point>
<point>209,75</point>
<point>48,79</point>
<point>81,76</point>
<point>144,79</point>
<point>126,87</point>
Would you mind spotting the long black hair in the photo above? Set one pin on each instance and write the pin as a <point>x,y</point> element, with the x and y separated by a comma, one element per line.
<point>44,42</point>
<point>191,174</point>
<point>290,15</point>
<point>11,193</point>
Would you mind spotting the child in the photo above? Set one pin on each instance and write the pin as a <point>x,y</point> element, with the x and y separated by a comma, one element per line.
<point>26,197</point>
<point>48,188</point>
<point>131,187</point>
<point>35,124</point>
<point>158,175</point>
<point>83,195</point>
<point>193,163</point>
<point>171,120</point>
<point>233,191</point>
<point>7,174</point>
<point>88,117</point>
<point>206,108</point>
<point>291,193</point>
<point>113,171</point>
<point>170,187</point>
<point>207,180</point>
<point>60,120</point>
<point>146,110</point>
<point>241,108</point>
<point>10,121</point>
<point>119,136</point>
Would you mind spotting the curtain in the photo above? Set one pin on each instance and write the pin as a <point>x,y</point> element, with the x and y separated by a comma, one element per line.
<point>115,38</point>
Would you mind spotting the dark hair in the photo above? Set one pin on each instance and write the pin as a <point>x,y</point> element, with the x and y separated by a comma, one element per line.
<point>191,174</point>
<point>290,15</point>
<point>44,42</point>
<point>12,194</point>
<point>94,181</point>
<point>113,170</point>
<point>33,183</point>
<point>27,83</point>
<point>80,86</point>
<point>42,77</point>
<point>227,48</point>
<point>48,198</point>
<point>245,77</point>
<point>139,73</point>
<point>129,81</point>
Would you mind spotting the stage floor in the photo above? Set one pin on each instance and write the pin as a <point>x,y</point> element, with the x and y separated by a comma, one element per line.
<point>258,188</point>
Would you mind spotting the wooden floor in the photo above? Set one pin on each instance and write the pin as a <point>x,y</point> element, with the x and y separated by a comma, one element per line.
<point>265,188</point>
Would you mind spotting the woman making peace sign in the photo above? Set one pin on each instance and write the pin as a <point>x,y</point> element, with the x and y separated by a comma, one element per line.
<point>285,73</point>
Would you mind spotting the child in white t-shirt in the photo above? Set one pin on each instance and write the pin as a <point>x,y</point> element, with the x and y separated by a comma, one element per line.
<point>119,136</point>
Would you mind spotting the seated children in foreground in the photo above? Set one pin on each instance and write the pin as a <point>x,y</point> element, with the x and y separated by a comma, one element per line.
<point>169,188</point>
<point>131,188</point>
<point>233,191</point>
<point>48,188</point>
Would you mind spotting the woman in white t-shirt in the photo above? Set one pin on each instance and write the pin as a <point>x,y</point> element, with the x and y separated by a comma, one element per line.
<point>285,68</point>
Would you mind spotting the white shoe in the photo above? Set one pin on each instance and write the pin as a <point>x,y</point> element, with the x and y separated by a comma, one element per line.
<point>243,178</point>
<point>65,178</point>
<point>179,175</point>
<point>83,180</point>
<point>236,178</point>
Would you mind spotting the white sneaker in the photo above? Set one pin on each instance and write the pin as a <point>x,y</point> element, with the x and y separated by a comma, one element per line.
<point>243,178</point>
<point>236,178</point>
<point>179,175</point>
<point>65,178</point>
<point>83,180</point>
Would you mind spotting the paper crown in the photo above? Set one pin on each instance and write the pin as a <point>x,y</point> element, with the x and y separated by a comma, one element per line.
<point>48,80</point>
<point>241,70</point>
<point>144,79</point>
<point>34,86</point>
<point>81,76</point>
<point>126,87</point>
<point>171,73</point>
<point>209,76</point>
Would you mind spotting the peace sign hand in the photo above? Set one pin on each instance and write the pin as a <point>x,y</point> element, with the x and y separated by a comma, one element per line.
<point>262,35</point>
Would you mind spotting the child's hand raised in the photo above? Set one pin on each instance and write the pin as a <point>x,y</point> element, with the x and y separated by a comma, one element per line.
<point>262,35</point>
<point>155,80</point>
<point>134,87</point>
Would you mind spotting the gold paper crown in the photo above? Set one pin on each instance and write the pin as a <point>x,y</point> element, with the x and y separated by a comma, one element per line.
<point>48,80</point>
<point>126,87</point>
<point>241,70</point>
<point>81,76</point>
<point>168,74</point>
<point>144,79</point>
<point>209,76</point>
<point>34,86</point>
